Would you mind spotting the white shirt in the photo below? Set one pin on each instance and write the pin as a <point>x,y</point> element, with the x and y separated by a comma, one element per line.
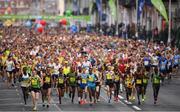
<point>10,65</point>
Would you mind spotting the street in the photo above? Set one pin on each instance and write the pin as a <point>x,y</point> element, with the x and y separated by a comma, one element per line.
<point>11,100</point>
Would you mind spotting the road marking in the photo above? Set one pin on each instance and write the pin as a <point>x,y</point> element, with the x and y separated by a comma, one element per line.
<point>10,99</point>
<point>135,107</point>
<point>127,102</point>
<point>59,109</point>
<point>120,97</point>
<point>10,104</point>
<point>6,90</point>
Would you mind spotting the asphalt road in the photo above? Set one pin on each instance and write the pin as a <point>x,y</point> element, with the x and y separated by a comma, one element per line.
<point>11,100</point>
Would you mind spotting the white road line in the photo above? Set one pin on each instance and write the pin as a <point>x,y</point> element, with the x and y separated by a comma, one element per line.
<point>120,97</point>
<point>135,107</point>
<point>127,102</point>
<point>122,103</point>
<point>59,109</point>
<point>10,99</point>
<point>6,90</point>
<point>11,104</point>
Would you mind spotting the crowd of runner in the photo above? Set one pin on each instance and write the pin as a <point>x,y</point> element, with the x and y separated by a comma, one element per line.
<point>83,65</point>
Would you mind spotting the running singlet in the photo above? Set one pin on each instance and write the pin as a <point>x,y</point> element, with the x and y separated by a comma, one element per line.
<point>128,82</point>
<point>91,80</point>
<point>146,61</point>
<point>66,70</point>
<point>25,80</point>
<point>176,59</point>
<point>156,79</point>
<point>35,82</point>
<point>60,80</point>
<point>83,78</point>
<point>72,79</point>
<point>108,76</point>
<point>117,78</point>
<point>138,81</point>
<point>47,79</point>
<point>163,65</point>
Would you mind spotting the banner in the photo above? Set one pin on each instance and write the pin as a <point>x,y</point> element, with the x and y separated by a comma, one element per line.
<point>159,5</point>
<point>112,7</point>
<point>99,6</point>
<point>140,9</point>
<point>25,17</point>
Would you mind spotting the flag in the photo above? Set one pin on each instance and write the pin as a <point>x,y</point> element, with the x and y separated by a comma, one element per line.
<point>112,7</point>
<point>75,5</point>
<point>159,5</point>
<point>99,6</point>
<point>140,8</point>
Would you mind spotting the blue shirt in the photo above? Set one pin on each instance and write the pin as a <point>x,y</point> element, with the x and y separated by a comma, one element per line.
<point>176,59</point>
<point>147,61</point>
<point>163,64</point>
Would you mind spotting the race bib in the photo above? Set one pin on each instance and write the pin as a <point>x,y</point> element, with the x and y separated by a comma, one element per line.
<point>163,66</point>
<point>138,81</point>
<point>156,81</point>
<point>117,78</point>
<point>176,60</point>
<point>91,79</point>
<point>72,79</point>
<point>34,82</point>
<point>146,62</point>
<point>145,81</point>
<point>47,80</point>
<point>61,81</point>
<point>109,76</point>
<point>84,81</point>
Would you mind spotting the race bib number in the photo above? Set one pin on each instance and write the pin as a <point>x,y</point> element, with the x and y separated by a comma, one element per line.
<point>61,81</point>
<point>109,76</point>
<point>176,60</point>
<point>156,81</point>
<point>84,81</point>
<point>117,78</point>
<point>163,66</point>
<point>91,79</point>
<point>146,62</point>
<point>72,79</point>
<point>145,81</point>
<point>47,80</point>
<point>34,82</point>
<point>138,81</point>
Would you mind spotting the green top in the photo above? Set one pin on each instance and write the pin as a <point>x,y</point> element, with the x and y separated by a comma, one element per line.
<point>35,82</point>
<point>72,78</point>
<point>156,79</point>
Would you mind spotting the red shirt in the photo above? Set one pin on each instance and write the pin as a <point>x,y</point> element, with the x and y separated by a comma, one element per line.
<point>122,68</point>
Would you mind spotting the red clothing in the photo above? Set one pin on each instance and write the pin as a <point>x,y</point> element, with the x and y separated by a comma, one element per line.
<point>122,68</point>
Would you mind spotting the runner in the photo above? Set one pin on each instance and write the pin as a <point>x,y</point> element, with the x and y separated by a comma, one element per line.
<point>82,90</point>
<point>25,83</point>
<point>72,82</point>
<point>155,78</point>
<point>109,77</point>
<point>145,82</point>
<point>47,83</point>
<point>116,85</point>
<point>139,84</point>
<point>91,84</point>
<point>129,79</point>
<point>60,85</point>
<point>10,66</point>
<point>36,83</point>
